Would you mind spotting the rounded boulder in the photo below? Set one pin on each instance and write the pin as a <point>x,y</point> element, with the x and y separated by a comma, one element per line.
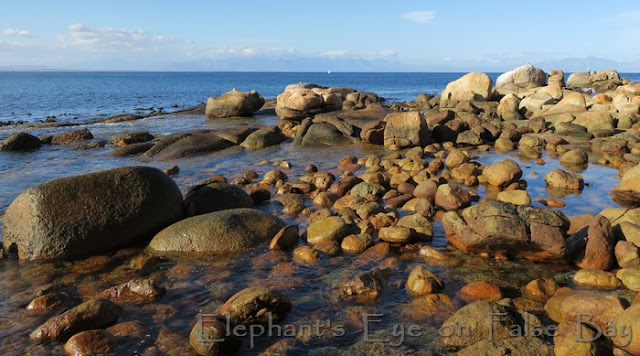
<point>89,214</point>
<point>225,231</point>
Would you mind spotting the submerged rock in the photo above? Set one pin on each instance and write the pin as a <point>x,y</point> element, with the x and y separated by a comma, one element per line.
<point>225,231</point>
<point>499,227</point>
<point>93,314</point>
<point>205,338</point>
<point>421,281</point>
<point>21,141</point>
<point>255,305</point>
<point>84,215</point>
<point>91,342</point>
<point>189,145</point>
<point>70,137</point>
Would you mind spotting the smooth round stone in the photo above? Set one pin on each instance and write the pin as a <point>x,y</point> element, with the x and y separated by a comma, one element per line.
<point>305,255</point>
<point>597,279</point>
<point>394,234</point>
<point>630,277</point>
<point>332,228</point>
<point>356,243</point>
<point>421,281</point>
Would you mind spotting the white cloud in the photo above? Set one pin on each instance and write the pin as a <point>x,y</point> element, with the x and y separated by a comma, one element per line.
<point>244,51</point>
<point>387,53</point>
<point>103,38</point>
<point>14,32</point>
<point>419,16</point>
<point>625,17</point>
<point>334,53</point>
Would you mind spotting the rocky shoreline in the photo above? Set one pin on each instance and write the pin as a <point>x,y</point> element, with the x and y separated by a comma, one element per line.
<point>373,220</point>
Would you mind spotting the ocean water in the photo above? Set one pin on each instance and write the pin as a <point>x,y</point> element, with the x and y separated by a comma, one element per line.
<point>34,96</point>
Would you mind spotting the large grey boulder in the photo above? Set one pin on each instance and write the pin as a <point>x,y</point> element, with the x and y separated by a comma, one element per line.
<point>93,213</point>
<point>225,231</point>
<point>263,138</point>
<point>190,145</point>
<point>526,75</point>
<point>234,103</point>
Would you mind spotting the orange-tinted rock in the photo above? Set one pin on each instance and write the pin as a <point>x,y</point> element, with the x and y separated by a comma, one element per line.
<point>482,290</point>
<point>91,342</point>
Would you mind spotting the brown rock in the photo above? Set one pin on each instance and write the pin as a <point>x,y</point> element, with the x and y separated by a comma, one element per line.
<point>206,335</point>
<point>567,340</point>
<point>558,178</point>
<point>93,314</point>
<point>482,290</point>
<point>366,286</point>
<point>597,279</point>
<point>603,307</point>
<point>503,173</point>
<point>626,324</point>
<point>593,247</point>
<point>255,305</point>
<point>70,137</point>
<point>50,301</point>
<point>627,193</point>
<point>406,129</point>
<point>91,342</point>
<point>356,243</point>
<point>421,281</point>
<point>333,228</point>
<point>305,255</point>
<point>451,197</point>
<point>285,238</point>
<point>394,234</point>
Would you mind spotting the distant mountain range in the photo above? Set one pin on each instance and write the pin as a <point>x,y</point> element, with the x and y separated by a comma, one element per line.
<point>321,64</point>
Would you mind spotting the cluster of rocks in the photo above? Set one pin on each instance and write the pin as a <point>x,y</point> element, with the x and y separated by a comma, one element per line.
<point>368,207</point>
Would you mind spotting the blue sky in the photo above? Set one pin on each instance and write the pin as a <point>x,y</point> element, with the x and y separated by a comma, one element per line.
<point>302,35</point>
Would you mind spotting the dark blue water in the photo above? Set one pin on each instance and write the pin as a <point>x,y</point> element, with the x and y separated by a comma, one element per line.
<point>33,96</point>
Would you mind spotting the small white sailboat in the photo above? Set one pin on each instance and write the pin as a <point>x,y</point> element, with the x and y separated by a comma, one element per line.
<point>328,72</point>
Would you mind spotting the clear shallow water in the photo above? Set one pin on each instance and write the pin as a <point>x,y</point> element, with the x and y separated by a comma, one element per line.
<point>33,96</point>
<point>202,284</point>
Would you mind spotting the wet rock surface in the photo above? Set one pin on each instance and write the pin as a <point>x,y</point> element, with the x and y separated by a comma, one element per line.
<point>429,229</point>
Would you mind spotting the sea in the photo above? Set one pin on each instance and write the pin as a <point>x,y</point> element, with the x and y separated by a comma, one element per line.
<point>80,97</point>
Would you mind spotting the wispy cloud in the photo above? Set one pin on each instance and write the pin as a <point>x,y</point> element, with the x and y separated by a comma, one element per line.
<point>244,51</point>
<point>108,38</point>
<point>624,17</point>
<point>419,16</point>
<point>335,53</point>
<point>14,32</point>
<point>387,53</point>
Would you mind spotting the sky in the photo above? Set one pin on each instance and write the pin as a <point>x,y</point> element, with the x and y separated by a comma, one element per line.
<point>402,35</point>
